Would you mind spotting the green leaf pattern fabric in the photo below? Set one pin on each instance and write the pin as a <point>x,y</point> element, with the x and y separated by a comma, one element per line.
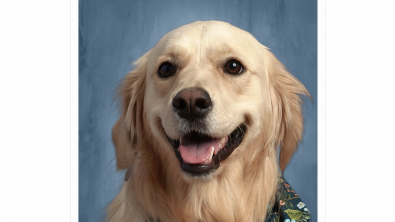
<point>288,206</point>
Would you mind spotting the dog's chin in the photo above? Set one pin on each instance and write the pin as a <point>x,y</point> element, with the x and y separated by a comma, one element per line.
<point>200,155</point>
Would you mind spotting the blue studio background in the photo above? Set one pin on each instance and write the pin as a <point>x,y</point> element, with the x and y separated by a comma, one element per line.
<point>114,33</point>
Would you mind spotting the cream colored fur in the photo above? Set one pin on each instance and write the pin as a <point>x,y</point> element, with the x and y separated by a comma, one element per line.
<point>266,97</point>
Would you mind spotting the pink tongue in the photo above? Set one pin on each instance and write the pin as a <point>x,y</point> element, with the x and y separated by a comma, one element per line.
<point>197,151</point>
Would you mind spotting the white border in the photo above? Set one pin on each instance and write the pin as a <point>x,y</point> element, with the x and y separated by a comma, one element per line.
<point>360,108</point>
<point>74,111</point>
<point>35,101</point>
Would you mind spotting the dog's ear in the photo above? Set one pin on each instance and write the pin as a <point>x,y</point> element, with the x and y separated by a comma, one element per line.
<point>285,93</point>
<point>127,129</point>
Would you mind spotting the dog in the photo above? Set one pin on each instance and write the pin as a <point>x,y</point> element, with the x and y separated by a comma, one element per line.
<point>202,117</point>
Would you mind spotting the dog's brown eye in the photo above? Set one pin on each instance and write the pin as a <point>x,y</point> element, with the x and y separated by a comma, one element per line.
<point>234,67</point>
<point>166,70</point>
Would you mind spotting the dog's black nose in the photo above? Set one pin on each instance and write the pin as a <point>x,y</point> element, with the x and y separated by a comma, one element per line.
<point>192,103</point>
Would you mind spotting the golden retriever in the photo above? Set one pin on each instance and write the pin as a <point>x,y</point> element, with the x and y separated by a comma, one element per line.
<point>202,116</point>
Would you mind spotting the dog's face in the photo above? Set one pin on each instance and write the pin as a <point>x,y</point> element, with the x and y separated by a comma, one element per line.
<point>203,88</point>
<point>207,92</point>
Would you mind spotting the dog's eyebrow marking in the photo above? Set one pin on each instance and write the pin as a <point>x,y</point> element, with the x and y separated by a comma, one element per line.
<point>177,55</point>
<point>170,55</point>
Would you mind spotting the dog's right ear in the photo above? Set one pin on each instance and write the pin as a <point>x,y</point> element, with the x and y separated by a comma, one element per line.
<point>126,130</point>
<point>287,119</point>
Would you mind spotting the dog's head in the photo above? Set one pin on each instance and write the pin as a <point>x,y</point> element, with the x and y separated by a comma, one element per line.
<point>206,94</point>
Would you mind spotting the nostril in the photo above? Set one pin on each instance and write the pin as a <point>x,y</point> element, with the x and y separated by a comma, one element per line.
<point>203,103</point>
<point>179,103</point>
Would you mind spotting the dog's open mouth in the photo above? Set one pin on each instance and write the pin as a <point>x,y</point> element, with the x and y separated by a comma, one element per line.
<point>201,154</point>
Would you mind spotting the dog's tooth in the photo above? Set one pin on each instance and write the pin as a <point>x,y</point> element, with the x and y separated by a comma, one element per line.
<point>222,140</point>
<point>211,155</point>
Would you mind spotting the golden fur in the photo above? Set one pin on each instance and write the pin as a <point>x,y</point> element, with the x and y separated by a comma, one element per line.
<point>266,98</point>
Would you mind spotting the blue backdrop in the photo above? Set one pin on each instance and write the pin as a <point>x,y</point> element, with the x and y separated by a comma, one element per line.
<point>114,33</point>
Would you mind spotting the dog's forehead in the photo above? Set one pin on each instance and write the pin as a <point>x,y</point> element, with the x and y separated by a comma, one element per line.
<point>209,35</point>
<point>203,31</point>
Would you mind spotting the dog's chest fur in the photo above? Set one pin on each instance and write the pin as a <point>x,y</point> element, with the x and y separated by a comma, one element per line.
<point>238,195</point>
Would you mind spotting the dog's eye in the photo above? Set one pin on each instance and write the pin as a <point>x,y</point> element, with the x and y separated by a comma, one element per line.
<point>234,67</point>
<point>166,70</point>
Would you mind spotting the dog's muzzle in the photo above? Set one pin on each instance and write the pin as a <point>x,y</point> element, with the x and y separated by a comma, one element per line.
<point>198,153</point>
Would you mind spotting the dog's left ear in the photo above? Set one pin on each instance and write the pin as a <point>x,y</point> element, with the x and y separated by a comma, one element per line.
<point>285,93</point>
<point>128,130</point>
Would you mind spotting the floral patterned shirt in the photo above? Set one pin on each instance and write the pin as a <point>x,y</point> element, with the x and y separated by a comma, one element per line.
<point>288,206</point>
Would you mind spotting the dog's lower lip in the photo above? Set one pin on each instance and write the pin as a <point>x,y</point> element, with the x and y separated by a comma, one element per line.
<point>234,140</point>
